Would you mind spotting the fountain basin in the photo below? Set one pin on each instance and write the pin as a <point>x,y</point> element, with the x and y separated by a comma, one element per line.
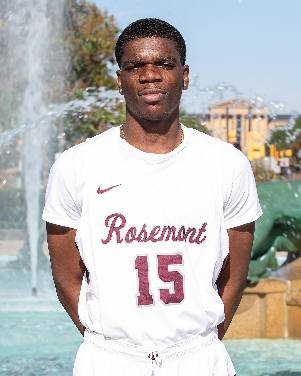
<point>43,341</point>
<point>39,339</point>
<point>271,308</point>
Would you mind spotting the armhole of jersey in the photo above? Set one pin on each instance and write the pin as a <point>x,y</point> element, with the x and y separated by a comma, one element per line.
<point>224,238</point>
<point>220,183</point>
<point>84,172</point>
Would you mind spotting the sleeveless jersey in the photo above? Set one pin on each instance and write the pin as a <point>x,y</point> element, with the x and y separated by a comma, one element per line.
<point>152,232</point>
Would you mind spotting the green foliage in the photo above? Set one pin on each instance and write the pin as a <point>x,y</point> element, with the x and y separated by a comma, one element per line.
<point>296,143</point>
<point>281,138</point>
<point>91,37</point>
<point>298,123</point>
<point>193,121</point>
<point>287,138</point>
<point>261,173</point>
<point>98,119</point>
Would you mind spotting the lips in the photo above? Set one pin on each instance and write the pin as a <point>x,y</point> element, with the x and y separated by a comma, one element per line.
<point>152,95</point>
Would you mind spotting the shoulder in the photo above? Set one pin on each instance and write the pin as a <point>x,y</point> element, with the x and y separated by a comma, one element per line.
<point>202,139</point>
<point>205,141</point>
<point>232,158</point>
<point>78,155</point>
<point>229,161</point>
<point>225,151</point>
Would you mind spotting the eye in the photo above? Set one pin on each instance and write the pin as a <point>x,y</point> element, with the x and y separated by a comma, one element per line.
<point>133,67</point>
<point>166,65</point>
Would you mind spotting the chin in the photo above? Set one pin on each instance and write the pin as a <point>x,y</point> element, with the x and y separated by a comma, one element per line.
<point>152,115</point>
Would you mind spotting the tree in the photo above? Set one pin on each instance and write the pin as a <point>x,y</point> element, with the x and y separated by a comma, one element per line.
<point>100,117</point>
<point>91,38</point>
<point>296,143</point>
<point>193,121</point>
<point>281,138</point>
<point>288,138</point>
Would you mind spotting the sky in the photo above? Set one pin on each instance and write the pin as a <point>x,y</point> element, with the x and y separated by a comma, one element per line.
<point>251,47</point>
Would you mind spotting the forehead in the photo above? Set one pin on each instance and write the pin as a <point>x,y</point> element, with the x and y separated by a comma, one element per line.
<point>150,48</point>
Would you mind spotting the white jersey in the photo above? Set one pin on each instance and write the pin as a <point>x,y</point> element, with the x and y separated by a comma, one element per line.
<point>152,232</point>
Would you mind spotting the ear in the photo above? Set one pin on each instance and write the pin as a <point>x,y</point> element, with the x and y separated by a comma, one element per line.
<point>118,73</point>
<point>185,77</point>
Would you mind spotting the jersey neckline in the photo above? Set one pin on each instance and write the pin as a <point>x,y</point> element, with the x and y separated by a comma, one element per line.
<point>154,157</point>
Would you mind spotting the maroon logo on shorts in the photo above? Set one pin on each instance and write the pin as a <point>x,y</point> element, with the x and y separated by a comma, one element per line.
<point>101,191</point>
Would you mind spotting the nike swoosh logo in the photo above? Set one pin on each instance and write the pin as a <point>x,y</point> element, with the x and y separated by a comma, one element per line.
<point>101,191</point>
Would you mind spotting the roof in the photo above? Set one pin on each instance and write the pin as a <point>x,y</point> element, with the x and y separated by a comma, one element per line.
<point>282,117</point>
<point>236,102</point>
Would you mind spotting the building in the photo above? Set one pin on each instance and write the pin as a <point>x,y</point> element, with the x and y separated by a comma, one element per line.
<point>239,122</point>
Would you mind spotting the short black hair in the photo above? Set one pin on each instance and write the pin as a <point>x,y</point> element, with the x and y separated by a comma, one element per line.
<point>146,28</point>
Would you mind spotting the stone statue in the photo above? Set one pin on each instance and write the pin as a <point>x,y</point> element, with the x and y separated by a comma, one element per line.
<point>279,229</point>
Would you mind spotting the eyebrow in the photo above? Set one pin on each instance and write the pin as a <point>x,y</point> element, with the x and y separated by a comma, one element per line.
<point>141,61</point>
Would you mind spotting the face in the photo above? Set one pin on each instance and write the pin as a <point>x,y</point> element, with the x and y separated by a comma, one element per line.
<point>152,78</point>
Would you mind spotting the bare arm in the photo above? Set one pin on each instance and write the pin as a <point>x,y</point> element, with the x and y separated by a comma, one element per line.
<point>232,279</point>
<point>67,268</point>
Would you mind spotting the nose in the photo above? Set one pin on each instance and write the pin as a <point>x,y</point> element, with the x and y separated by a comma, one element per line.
<point>150,73</point>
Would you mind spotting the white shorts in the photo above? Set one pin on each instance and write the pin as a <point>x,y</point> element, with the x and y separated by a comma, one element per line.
<point>198,356</point>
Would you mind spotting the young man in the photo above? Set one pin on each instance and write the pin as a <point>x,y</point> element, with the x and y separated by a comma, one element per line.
<point>150,226</point>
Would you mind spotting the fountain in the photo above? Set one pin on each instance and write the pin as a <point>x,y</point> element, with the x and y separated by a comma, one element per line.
<point>36,64</point>
<point>31,108</point>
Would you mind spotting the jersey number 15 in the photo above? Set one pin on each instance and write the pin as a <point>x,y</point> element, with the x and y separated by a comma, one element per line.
<point>164,261</point>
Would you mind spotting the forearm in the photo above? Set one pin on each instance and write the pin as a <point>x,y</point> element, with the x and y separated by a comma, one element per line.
<point>67,268</point>
<point>231,298</point>
<point>233,277</point>
<point>69,300</point>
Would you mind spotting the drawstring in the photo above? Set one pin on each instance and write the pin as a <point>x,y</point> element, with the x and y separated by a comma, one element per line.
<point>154,357</point>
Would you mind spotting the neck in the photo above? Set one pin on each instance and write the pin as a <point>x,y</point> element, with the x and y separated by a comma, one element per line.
<point>157,137</point>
